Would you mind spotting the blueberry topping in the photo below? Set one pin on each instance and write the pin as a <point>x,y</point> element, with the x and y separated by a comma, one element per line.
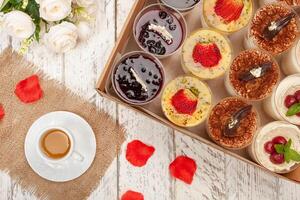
<point>163,14</point>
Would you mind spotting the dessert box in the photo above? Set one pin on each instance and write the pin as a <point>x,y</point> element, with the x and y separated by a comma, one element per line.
<point>172,66</point>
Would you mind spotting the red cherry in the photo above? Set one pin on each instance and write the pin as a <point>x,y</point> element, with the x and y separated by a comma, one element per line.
<point>277,158</point>
<point>290,100</point>
<point>279,140</point>
<point>297,95</point>
<point>269,147</point>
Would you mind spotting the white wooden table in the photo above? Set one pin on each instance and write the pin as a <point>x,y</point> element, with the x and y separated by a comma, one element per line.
<point>219,176</point>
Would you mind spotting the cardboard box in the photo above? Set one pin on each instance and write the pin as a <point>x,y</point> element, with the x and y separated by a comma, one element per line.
<point>172,65</point>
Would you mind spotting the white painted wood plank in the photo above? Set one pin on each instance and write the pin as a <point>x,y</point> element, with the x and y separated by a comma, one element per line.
<point>83,66</point>
<point>244,181</point>
<point>123,8</point>
<point>153,180</point>
<point>209,179</point>
<point>287,190</point>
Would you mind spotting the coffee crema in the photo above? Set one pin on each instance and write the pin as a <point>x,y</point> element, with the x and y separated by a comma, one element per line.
<point>55,144</point>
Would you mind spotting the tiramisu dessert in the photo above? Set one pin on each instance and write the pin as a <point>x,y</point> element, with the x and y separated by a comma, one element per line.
<point>183,6</point>
<point>138,78</point>
<point>288,2</point>
<point>274,28</point>
<point>232,123</point>
<point>253,75</point>
<point>276,146</point>
<point>226,15</point>
<point>159,30</point>
<point>290,61</point>
<point>206,54</point>
<point>284,104</point>
<point>186,101</point>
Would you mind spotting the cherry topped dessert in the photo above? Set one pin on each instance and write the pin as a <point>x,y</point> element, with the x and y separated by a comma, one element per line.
<point>292,102</point>
<point>138,78</point>
<point>158,30</point>
<point>181,4</point>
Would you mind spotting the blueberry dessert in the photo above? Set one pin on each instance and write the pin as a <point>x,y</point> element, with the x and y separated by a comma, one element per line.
<point>181,4</point>
<point>158,31</point>
<point>138,78</point>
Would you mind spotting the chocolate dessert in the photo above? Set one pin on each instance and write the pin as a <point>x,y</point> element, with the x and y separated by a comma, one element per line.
<point>159,31</point>
<point>274,28</point>
<point>254,74</point>
<point>138,78</point>
<point>232,123</point>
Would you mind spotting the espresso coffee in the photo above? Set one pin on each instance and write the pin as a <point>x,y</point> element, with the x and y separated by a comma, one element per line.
<point>55,144</point>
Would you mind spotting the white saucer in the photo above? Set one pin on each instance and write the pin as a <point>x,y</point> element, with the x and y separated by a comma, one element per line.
<point>84,142</point>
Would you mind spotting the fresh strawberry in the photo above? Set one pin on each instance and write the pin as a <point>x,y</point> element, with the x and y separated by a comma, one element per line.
<point>207,54</point>
<point>185,101</point>
<point>229,10</point>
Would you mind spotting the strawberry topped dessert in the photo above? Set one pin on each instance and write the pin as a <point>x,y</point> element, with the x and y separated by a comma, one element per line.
<point>186,101</point>
<point>276,146</point>
<point>227,15</point>
<point>206,54</point>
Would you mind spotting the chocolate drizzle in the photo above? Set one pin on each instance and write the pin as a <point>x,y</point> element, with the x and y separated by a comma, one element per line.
<point>234,122</point>
<point>275,27</point>
<point>256,72</point>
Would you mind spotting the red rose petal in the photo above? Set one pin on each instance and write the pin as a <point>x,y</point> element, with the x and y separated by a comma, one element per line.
<point>29,90</point>
<point>131,195</point>
<point>138,153</point>
<point>2,112</point>
<point>183,168</point>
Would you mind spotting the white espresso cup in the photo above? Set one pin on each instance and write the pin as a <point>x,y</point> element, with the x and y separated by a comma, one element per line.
<point>72,154</point>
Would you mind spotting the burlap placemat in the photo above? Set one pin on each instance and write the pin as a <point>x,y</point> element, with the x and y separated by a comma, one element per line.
<point>20,116</point>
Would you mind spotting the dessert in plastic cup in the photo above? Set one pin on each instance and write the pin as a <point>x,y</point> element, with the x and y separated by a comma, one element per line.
<point>159,30</point>
<point>290,61</point>
<point>206,54</point>
<point>268,145</point>
<point>253,75</point>
<point>137,78</point>
<point>284,104</point>
<point>232,123</point>
<point>183,6</point>
<point>288,2</point>
<point>186,101</point>
<point>227,16</point>
<point>274,28</point>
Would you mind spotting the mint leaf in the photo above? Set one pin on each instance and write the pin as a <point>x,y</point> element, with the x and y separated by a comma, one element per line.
<point>279,148</point>
<point>294,155</point>
<point>288,145</point>
<point>293,110</point>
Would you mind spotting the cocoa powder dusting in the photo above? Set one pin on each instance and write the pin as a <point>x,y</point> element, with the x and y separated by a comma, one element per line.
<point>284,39</point>
<point>258,88</point>
<point>219,117</point>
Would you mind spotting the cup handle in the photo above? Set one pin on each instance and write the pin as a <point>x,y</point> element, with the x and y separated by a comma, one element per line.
<point>77,156</point>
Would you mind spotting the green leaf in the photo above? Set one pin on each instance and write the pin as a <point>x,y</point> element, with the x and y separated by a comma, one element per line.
<point>287,157</point>
<point>293,110</point>
<point>15,2</point>
<point>279,148</point>
<point>294,155</point>
<point>288,145</point>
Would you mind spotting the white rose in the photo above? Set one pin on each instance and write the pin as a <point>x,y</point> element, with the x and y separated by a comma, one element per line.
<point>18,24</point>
<point>85,3</point>
<point>84,30</point>
<point>91,9</point>
<point>1,2</point>
<point>62,37</point>
<point>55,10</point>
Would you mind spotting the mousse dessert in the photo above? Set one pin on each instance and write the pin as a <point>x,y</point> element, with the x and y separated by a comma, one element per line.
<point>276,146</point>
<point>232,123</point>
<point>227,15</point>
<point>284,104</point>
<point>138,78</point>
<point>290,61</point>
<point>181,5</point>
<point>274,28</point>
<point>159,30</point>
<point>253,75</point>
<point>186,101</point>
<point>206,54</point>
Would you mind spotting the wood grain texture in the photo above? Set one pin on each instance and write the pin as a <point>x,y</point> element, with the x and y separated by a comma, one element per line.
<point>218,176</point>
